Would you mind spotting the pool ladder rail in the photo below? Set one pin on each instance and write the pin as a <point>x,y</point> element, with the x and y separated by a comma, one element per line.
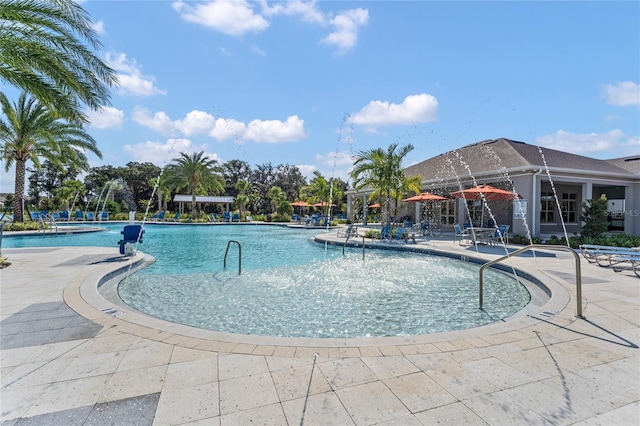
<point>545,247</point>
<point>239,255</point>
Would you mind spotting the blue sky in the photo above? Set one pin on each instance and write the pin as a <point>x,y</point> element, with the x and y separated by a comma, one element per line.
<point>312,83</point>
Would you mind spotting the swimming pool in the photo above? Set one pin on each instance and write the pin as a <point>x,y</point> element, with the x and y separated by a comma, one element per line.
<point>291,286</point>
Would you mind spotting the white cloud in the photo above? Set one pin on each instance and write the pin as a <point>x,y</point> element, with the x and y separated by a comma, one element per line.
<point>275,130</point>
<point>160,122</point>
<point>307,11</point>
<point>258,50</point>
<point>229,17</point>
<point>226,129</point>
<point>196,123</point>
<point>414,109</point>
<point>98,27</point>
<point>131,81</point>
<point>161,154</point>
<point>306,170</point>
<point>105,118</point>
<point>623,93</point>
<point>239,17</point>
<point>345,29</point>
<point>614,142</point>
<point>203,123</point>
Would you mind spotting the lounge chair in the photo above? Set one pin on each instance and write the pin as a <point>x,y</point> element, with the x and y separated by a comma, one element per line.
<point>90,216</point>
<point>34,216</point>
<point>131,234</point>
<point>104,216</point>
<point>236,217</point>
<point>248,218</point>
<point>64,215</point>
<point>385,233</point>
<point>79,215</point>
<point>607,255</point>
<point>399,235</point>
<point>214,217</point>
<point>631,257</point>
<point>175,218</point>
<point>227,216</point>
<point>461,234</point>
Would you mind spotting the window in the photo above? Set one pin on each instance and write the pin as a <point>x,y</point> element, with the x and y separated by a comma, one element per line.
<point>569,207</point>
<point>448,212</point>
<point>547,207</point>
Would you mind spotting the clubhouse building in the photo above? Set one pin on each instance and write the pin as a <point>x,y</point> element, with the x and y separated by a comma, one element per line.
<point>551,185</point>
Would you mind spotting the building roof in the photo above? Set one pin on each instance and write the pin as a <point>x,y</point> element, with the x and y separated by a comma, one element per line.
<point>203,199</point>
<point>500,156</point>
<point>632,164</point>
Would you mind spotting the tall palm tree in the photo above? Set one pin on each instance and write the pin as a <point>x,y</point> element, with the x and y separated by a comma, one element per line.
<point>381,171</point>
<point>243,199</point>
<point>45,46</point>
<point>30,131</point>
<point>276,195</point>
<point>195,173</point>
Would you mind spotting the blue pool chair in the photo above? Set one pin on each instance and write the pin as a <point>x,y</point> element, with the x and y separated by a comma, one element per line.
<point>64,215</point>
<point>79,215</point>
<point>131,234</point>
<point>461,234</point>
<point>90,216</point>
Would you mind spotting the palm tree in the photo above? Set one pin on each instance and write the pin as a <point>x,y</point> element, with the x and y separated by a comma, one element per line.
<point>195,173</point>
<point>243,199</point>
<point>30,131</point>
<point>381,171</point>
<point>276,195</point>
<point>42,46</point>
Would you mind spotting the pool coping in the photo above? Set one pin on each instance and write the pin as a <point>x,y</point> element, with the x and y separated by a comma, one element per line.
<point>86,299</point>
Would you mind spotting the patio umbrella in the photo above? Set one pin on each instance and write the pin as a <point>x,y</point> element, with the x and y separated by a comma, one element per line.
<point>323,204</point>
<point>300,204</point>
<point>485,193</point>
<point>374,206</point>
<point>425,196</point>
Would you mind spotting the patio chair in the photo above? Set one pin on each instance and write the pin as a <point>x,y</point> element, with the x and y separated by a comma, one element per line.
<point>79,215</point>
<point>90,216</point>
<point>499,235</point>
<point>131,234</point>
<point>64,215</point>
<point>385,233</point>
<point>214,217</point>
<point>349,231</point>
<point>461,234</point>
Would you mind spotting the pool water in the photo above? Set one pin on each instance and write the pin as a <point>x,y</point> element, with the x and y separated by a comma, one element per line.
<point>291,286</point>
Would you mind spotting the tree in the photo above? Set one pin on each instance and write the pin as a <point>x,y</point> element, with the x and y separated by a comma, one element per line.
<point>42,46</point>
<point>195,173</point>
<point>235,171</point>
<point>382,172</point>
<point>242,198</point>
<point>594,216</point>
<point>30,131</point>
<point>276,196</point>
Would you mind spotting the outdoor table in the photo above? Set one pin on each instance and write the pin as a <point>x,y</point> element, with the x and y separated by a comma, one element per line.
<point>480,234</point>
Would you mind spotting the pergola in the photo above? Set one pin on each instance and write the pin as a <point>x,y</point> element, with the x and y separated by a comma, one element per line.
<point>203,199</point>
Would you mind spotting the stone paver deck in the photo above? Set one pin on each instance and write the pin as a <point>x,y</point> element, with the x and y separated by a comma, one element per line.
<point>70,356</point>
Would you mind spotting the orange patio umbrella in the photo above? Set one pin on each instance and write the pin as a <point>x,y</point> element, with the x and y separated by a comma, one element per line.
<point>300,204</point>
<point>374,206</point>
<point>485,193</point>
<point>425,196</point>
<point>323,204</point>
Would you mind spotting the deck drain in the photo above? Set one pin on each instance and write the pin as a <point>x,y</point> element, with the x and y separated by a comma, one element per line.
<point>548,314</point>
<point>112,312</point>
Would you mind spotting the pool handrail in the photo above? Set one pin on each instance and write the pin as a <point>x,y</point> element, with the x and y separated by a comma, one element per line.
<point>239,255</point>
<point>546,247</point>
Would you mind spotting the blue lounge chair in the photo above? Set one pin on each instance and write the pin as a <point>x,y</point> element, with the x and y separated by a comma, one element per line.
<point>227,216</point>
<point>34,215</point>
<point>131,234</point>
<point>104,216</point>
<point>236,217</point>
<point>214,217</point>
<point>64,215</point>
<point>176,217</point>
<point>385,233</point>
<point>79,215</point>
<point>90,216</point>
<point>398,236</point>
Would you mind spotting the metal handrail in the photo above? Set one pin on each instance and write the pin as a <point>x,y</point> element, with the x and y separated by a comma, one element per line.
<point>345,244</point>
<point>546,247</point>
<point>239,255</point>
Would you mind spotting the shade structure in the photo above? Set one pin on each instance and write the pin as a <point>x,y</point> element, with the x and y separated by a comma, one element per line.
<point>485,192</point>
<point>425,196</point>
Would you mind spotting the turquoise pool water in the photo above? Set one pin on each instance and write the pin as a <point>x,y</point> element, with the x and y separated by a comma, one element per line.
<point>291,286</point>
